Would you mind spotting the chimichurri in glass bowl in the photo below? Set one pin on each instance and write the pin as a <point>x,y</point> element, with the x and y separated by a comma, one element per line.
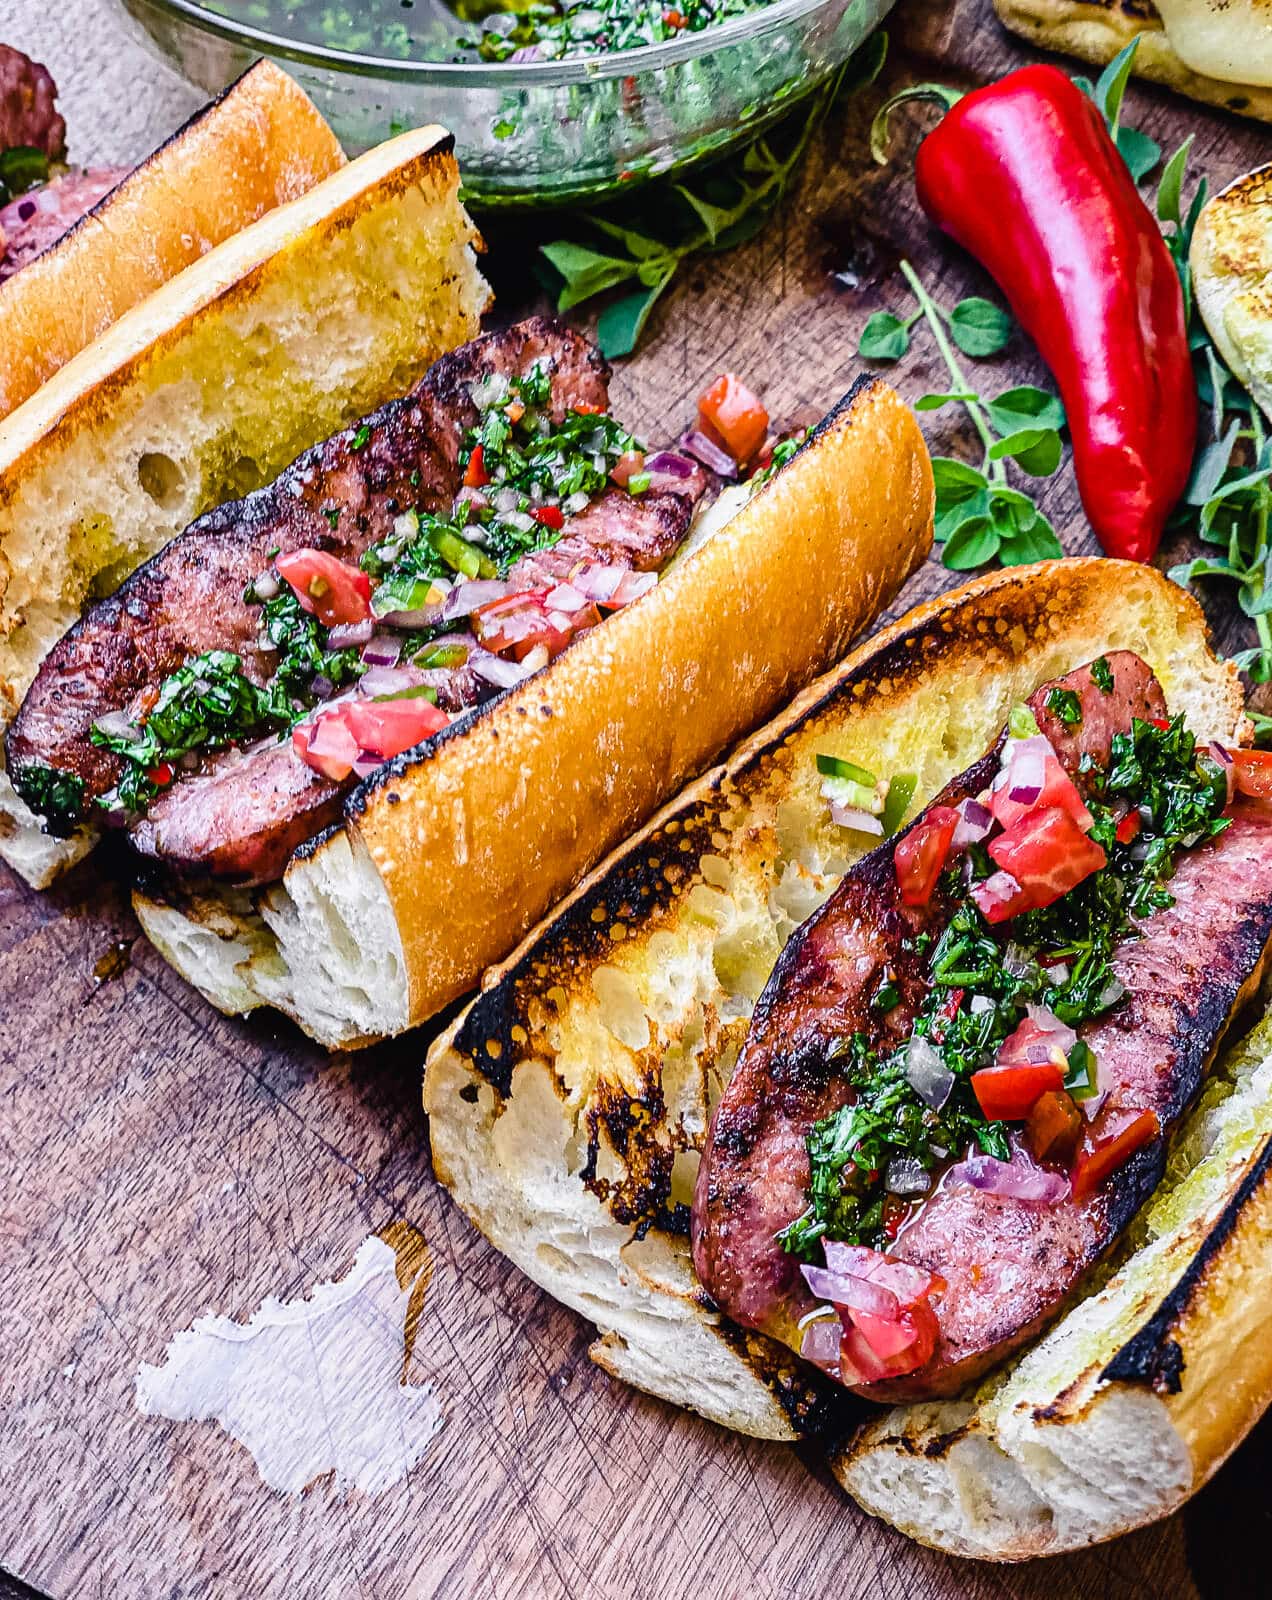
<point>550,103</point>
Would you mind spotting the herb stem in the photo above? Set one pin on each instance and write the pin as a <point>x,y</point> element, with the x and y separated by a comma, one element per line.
<point>996,470</point>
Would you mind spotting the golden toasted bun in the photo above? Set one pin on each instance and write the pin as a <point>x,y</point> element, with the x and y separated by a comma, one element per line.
<point>1231,259</point>
<point>448,857</point>
<point>1190,53</point>
<point>258,145</point>
<point>568,1105</point>
<point>277,338</point>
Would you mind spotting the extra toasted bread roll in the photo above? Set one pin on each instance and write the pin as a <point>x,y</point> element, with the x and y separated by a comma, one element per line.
<point>257,146</point>
<point>569,1104</point>
<point>324,308</point>
<point>1231,260</point>
<point>1214,51</point>
<point>444,860</point>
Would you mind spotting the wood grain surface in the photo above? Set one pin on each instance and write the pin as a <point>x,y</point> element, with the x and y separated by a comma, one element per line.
<point>159,1160</point>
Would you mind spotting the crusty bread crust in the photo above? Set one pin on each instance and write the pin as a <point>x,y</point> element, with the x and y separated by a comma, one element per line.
<point>459,849</point>
<point>568,1105</point>
<point>1095,30</point>
<point>259,144</point>
<point>1231,261</point>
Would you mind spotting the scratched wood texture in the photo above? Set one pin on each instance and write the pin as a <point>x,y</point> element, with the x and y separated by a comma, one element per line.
<point>159,1160</point>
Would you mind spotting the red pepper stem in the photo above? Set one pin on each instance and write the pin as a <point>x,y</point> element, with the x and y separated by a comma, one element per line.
<point>941,93</point>
<point>932,314</point>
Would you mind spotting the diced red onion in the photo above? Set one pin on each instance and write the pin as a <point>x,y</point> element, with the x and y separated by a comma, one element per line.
<point>118,725</point>
<point>597,581</point>
<point>414,621</point>
<point>494,669</point>
<point>1223,759</point>
<point>465,598</point>
<point>676,469</point>
<point>820,1343</point>
<point>846,1289</point>
<point>908,1282</point>
<point>997,891</point>
<point>1058,1033</point>
<point>858,821</point>
<point>906,1175</point>
<point>345,634</point>
<point>321,686</point>
<point>1092,1105</point>
<point>709,453</point>
<point>367,763</point>
<point>974,823</point>
<point>926,1072</point>
<point>565,597</point>
<point>522,521</point>
<point>390,680</point>
<point>1017,1179</point>
<point>979,1004</point>
<point>534,660</point>
<point>631,586</point>
<point>265,586</point>
<point>382,650</point>
<point>574,503</point>
<point>1024,769</point>
<point>505,499</point>
<point>1111,993</point>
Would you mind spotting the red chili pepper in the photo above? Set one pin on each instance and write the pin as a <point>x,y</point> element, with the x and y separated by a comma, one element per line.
<point>161,775</point>
<point>1024,175</point>
<point>475,474</point>
<point>1129,827</point>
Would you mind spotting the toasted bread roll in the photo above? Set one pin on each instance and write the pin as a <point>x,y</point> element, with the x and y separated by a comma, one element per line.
<point>1190,52</point>
<point>312,316</point>
<point>569,1104</point>
<point>258,145</point>
<point>1231,259</point>
<point>445,859</point>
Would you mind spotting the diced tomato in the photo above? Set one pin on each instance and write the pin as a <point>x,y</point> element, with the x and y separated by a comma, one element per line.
<point>549,516</point>
<point>333,740</point>
<point>475,474</point>
<point>921,853</point>
<point>161,774</point>
<point>389,727</point>
<point>516,625</point>
<point>1129,827</point>
<point>586,409</point>
<point>326,744</point>
<point>1021,1046</point>
<point>1108,1145</point>
<point>627,466</point>
<point>1058,789</point>
<point>735,415</point>
<point>1047,854</point>
<point>1053,1127</point>
<point>875,1346</point>
<point>1252,773</point>
<point>1009,1094</point>
<point>330,589</point>
<point>514,411</point>
<point>1160,722</point>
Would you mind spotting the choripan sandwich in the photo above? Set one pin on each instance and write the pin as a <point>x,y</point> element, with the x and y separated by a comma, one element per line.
<point>1215,51</point>
<point>79,246</point>
<point>362,727</point>
<point>324,308</point>
<point>904,1080</point>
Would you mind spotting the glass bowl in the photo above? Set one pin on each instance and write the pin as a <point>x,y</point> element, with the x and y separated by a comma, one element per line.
<point>548,132</point>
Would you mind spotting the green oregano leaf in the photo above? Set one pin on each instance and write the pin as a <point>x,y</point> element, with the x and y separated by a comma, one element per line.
<point>884,338</point>
<point>979,327</point>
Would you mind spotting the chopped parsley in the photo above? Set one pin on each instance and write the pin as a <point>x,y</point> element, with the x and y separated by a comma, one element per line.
<point>208,704</point>
<point>1102,675</point>
<point>1066,705</point>
<point>981,979</point>
<point>56,796</point>
<point>300,640</point>
<point>782,453</point>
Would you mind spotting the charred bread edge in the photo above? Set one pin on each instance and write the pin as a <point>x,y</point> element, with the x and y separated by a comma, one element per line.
<point>512,807</point>
<point>260,143</point>
<point>1095,32</point>
<point>470,1073</point>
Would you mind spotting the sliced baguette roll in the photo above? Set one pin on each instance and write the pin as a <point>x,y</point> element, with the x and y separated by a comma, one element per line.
<point>568,1105</point>
<point>448,856</point>
<point>1186,52</point>
<point>314,315</point>
<point>258,145</point>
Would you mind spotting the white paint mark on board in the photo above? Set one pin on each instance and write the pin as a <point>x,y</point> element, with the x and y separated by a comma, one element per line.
<point>309,1386</point>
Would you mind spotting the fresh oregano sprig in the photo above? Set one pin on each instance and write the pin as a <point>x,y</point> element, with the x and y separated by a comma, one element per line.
<point>980,515</point>
<point>659,231</point>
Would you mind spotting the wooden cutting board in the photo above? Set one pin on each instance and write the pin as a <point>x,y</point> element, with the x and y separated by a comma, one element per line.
<point>160,1161</point>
